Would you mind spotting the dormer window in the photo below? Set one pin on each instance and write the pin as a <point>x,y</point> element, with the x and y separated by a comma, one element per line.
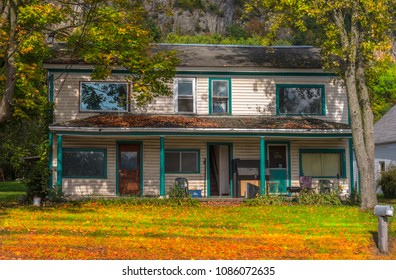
<point>300,100</point>
<point>184,95</point>
<point>103,97</point>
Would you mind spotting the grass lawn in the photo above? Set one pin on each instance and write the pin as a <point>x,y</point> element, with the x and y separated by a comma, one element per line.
<point>93,230</point>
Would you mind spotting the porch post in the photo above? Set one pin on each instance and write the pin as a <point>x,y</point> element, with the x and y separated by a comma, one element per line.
<point>352,179</point>
<point>59,162</point>
<point>262,165</point>
<point>162,166</point>
<point>50,144</point>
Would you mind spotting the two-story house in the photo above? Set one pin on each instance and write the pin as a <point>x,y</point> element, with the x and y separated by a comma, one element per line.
<point>238,113</point>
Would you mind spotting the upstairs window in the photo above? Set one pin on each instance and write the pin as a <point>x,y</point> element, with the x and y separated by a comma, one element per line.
<point>103,96</point>
<point>300,100</point>
<point>184,94</point>
<point>219,96</point>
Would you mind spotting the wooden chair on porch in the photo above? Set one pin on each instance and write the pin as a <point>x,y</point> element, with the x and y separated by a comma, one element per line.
<point>306,184</point>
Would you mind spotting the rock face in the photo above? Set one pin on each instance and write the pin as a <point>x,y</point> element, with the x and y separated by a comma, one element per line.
<point>191,17</point>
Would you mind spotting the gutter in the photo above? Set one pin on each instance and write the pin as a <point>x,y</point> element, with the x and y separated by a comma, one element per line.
<point>201,131</point>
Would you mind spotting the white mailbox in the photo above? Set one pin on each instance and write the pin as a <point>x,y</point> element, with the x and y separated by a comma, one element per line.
<point>383,210</point>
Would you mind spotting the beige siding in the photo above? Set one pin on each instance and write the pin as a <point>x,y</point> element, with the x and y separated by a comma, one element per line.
<point>250,96</point>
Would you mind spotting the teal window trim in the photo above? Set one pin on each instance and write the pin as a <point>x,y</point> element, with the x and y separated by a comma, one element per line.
<point>197,151</point>
<point>59,167</point>
<point>324,151</point>
<point>141,165</point>
<point>104,150</point>
<point>229,103</point>
<point>81,110</point>
<point>263,160</point>
<point>323,99</point>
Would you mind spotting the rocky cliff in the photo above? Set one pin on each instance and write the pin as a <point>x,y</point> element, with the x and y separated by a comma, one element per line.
<point>191,17</point>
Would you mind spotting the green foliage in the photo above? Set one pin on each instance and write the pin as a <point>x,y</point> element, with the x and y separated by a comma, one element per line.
<point>388,183</point>
<point>189,5</point>
<point>265,200</point>
<point>381,80</point>
<point>215,39</point>
<point>142,201</point>
<point>320,199</point>
<point>55,194</point>
<point>177,192</point>
<point>36,179</point>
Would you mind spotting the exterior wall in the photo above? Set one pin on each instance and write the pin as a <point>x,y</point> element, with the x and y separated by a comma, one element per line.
<point>243,148</point>
<point>385,153</point>
<point>253,96</point>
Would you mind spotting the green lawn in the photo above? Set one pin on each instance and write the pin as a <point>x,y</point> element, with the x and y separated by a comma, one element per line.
<point>11,191</point>
<point>119,229</point>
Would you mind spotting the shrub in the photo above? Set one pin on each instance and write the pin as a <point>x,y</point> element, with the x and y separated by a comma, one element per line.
<point>387,182</point>
<point>320,199</point>
<point>177,192</point>
<point>36,179</point>
<point>265,200</point>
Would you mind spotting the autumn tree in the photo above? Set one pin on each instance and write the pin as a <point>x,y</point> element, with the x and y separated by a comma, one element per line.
<point>107,34</point>
<point>352,34</point>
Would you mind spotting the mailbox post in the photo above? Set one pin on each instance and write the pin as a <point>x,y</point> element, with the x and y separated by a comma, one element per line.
<point>383,212</point>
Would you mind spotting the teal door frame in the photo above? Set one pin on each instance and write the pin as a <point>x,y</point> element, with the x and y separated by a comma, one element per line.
<point>281,143</point>
<point>230,156</point>
<point>140,143</point>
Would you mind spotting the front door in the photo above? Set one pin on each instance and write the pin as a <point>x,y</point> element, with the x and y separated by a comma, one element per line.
<point>129,169</point>
<point>278,168</point>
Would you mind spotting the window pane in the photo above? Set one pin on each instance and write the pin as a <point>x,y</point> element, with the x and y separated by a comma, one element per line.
<point>104,96</point>
<point>172,161</point>
<point>321,164</point>
<point>220,105</point>
<point>83,163</point>
<point>277,157</point>
<point>128,160</point>
<point>185,105</point>
<point>300,100</point>
<point>189,162</point>
<point>220,88</point>
<point>185,88</point>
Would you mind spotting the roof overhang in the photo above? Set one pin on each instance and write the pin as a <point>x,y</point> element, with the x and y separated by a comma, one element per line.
<point>230,132</point>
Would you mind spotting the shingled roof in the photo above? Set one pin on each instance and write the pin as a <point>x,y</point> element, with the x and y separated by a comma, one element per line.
<point>176,121</point>
<point>385,128</point>
<point>223,56</point>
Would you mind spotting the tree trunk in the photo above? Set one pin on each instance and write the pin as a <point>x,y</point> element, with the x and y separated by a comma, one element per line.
<point>363,140</point>
<point>9,88</point>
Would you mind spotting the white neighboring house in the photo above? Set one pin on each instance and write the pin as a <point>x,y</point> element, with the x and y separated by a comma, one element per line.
<point>385,142</point>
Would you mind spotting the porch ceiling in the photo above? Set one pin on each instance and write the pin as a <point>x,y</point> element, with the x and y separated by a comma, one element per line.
<point>175,123</point>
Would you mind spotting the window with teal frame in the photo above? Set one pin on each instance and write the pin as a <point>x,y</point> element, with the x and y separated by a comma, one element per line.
<point>300,99</point>
<point>182,161</point>
<point>220,96</point>
<point>323,163</point>
<point>84,163</point>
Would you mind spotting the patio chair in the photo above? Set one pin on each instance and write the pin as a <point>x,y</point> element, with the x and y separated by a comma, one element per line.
<point>183,184</point>
<point>326,186</point>
<point>306,184</point>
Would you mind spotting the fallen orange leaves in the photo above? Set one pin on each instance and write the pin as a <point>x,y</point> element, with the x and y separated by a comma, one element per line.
<point>94,231</point>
